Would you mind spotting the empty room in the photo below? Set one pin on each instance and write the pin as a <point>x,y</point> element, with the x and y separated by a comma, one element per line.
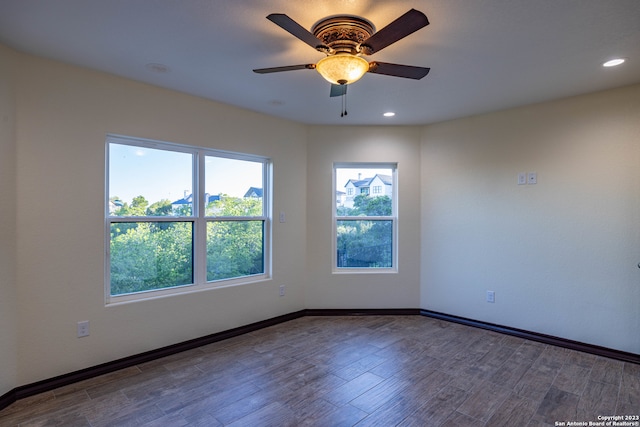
<point>327,213</point>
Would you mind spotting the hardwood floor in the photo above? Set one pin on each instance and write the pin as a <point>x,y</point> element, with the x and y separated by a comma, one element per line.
<point>349,371</point>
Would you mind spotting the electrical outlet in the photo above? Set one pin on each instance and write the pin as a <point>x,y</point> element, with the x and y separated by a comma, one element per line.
<point>491,296</point>
<point>532,178</point>
<point>281,290</point>
<point>83,329</point>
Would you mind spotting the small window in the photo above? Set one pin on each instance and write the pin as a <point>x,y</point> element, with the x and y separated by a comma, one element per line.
<point>170,226</point>
<point>365,236</point>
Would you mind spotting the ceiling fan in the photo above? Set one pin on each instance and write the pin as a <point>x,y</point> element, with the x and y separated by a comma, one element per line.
<point>344,39</point>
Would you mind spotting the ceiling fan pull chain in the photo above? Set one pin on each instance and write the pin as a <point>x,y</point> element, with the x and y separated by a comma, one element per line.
<point>344,104</point>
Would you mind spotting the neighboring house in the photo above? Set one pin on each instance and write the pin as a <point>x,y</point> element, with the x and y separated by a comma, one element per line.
<point>378,185</point>
<point>340,197</point>
<point>254,193</point>
<point>187,200</point>
<point>114,205</point>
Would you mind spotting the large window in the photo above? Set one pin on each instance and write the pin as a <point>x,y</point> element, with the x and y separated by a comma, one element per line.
<point>365,221</point>
<point>182,217</point>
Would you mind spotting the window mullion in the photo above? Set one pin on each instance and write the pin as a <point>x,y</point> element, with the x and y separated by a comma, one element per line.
<point>200,223</point>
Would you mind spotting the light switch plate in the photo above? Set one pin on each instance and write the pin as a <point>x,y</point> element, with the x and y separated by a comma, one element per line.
<point>522,178</point>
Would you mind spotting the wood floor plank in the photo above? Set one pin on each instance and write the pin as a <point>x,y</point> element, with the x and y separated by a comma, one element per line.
<point>316,388</point>
<point>607,371</point>
<point>371,399</point>
<point>631,369</point>
<point>359,367</point>
<point>597,399</point>
<point>272,415</point>
<point>511,371</point>
<point>252,403</point>
<point>353,389</point>
<point>436,410</point>
<point>537,381</point>
<point>393,412</point>
<point>344,416</point>
<point>461,420</point>
<point>629,396</point>
<point>309,412</point>
<point>484,400</point>
<point>558,405</point>
<point>514,411</point>
<point>572,378</point>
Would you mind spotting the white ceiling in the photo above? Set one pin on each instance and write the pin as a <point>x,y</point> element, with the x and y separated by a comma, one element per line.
<point>484,55</point>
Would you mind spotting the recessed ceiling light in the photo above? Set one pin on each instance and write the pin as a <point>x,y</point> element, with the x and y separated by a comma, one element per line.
<point>614,62</point>
<point>389,114</point>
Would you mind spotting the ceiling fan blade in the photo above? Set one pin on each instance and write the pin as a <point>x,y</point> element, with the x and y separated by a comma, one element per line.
<point>398,70</point>
<point>407,24</point>
<point>285,68</point>
<point>288,24</point>
<point>338,90</point>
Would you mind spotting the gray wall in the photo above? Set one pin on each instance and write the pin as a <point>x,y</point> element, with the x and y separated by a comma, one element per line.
<point>8,285</point>
<point>560,255</point>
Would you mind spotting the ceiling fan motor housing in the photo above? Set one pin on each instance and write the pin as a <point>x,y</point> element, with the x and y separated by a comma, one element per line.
<point>344,33</point>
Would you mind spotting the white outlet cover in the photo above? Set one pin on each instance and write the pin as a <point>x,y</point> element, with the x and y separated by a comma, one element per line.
<point>491,296</point>
<point>533,178</point>
<point>83,329</point>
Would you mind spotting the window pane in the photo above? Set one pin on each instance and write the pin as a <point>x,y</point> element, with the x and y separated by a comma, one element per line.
<point>233,187</point>
<point>365,243</point>
<point>234,249</point>
<point>364,192</point>
<point>150,255</point>
<point>148,182</point>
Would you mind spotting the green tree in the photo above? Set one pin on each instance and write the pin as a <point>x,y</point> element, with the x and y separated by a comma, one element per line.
<point>150,256</point>
<point>235,206</point>
<point>372,206</point>
<point>234,248</point>
<point>366,243</point>
<point>156,255</point>
<point>138,207</point>
<point>161,208</point>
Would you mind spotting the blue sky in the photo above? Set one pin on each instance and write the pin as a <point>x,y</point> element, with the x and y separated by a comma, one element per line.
<point>160,174</point>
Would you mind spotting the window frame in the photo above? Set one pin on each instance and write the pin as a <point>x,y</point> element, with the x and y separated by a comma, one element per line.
<point>393,218</point>
<point>198,219</point>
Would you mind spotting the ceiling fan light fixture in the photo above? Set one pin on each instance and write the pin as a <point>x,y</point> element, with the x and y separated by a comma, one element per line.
<point>342,69</point>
